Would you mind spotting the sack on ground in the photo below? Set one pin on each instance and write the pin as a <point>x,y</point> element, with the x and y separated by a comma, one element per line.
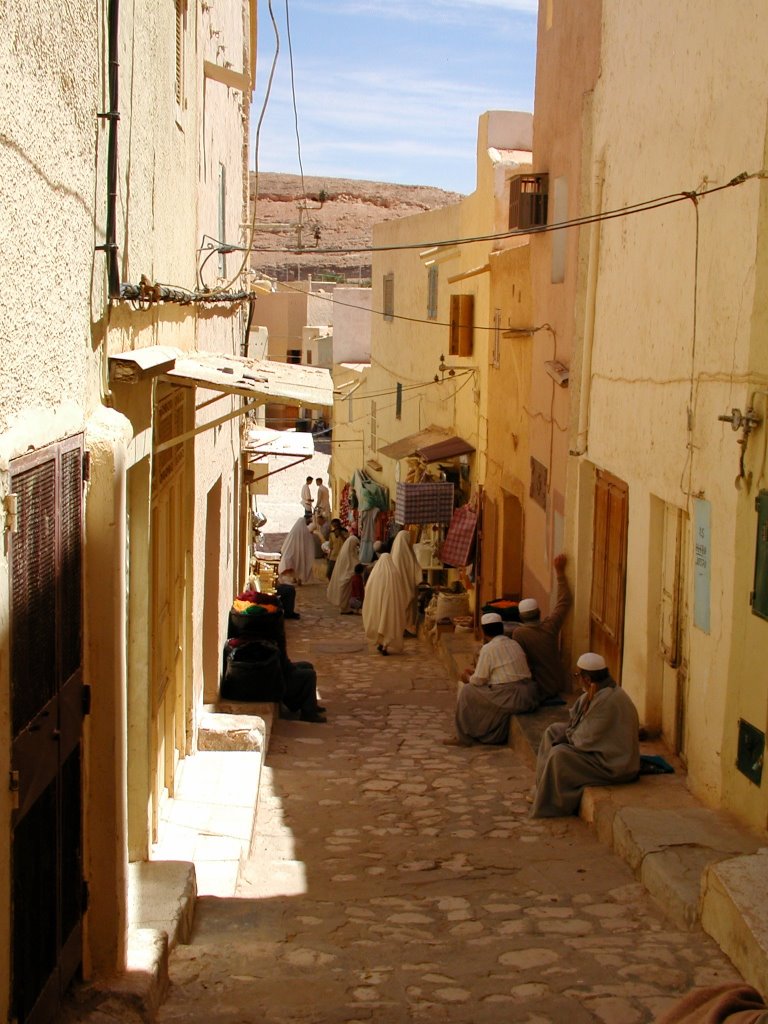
<point>252,670</point>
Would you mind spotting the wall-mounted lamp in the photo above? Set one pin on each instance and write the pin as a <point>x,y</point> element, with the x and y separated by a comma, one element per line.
<point>444,368</point>
<point>559,373</point>
<point>518,332</point>
<point>746,423</point>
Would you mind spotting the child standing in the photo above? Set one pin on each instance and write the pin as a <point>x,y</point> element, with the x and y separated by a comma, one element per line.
<point>357,593</point>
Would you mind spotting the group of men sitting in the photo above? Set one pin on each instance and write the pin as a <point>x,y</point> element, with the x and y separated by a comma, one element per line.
<point>515,674</point>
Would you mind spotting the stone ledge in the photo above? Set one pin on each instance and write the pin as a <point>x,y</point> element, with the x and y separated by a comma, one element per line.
<point>734,911</point>
<point>161,896</point>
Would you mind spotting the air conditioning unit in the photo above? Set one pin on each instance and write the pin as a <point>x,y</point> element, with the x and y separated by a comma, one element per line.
<point>528,201</point>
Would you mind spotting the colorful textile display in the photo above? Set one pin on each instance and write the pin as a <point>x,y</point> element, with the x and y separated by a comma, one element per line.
<point>458,549</point>
<point>424,503</point>
<point>506,609</point>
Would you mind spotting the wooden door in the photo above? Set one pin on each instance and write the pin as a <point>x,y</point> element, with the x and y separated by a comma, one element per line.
<point>168,598</point>
<point>48,702</point>
<point>609,570</point>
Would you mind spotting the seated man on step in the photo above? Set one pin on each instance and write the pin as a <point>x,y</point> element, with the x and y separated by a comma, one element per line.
<point>597,747</point>
<point>499,686</point>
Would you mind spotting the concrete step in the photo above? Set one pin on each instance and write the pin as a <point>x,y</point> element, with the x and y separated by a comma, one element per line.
<point>734,911</point>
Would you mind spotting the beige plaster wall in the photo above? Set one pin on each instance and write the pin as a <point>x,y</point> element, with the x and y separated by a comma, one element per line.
<point>349,435</point>
<point>56,334</point>
<point>408,349</point>
<point>283,313</point>
<point>567,68</point>
<point>351,318</point>
<point>676,319</point>
<point>49,94</point>
<point>508,423</point>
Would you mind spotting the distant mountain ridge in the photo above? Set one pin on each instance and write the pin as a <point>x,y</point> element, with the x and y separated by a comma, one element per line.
<point>340,214</point>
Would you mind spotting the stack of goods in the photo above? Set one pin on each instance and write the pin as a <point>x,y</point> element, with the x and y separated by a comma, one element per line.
<point>253,664</point>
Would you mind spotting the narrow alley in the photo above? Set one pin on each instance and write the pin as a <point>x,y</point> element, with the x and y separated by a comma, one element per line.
<point>394,879</point>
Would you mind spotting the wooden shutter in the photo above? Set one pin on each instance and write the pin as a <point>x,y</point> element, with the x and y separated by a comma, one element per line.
<point>760,593</point>
<point>432,278</point>
<point>461,341</point>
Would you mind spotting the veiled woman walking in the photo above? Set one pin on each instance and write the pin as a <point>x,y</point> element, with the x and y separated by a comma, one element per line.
<point>340,586</point>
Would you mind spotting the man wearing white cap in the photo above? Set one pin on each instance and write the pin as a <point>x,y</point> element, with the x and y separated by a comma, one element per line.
<point>499,686</point>
<point>598,746</point>
<point>540,638</point>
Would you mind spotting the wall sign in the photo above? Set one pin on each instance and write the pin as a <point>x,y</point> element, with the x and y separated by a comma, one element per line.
<point>701,563</point>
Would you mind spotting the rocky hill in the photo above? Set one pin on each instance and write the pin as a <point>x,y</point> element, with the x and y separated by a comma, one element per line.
<point>328,213</point>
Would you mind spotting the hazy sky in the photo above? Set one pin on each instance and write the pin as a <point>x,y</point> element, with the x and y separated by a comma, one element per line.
<point>391,90</point>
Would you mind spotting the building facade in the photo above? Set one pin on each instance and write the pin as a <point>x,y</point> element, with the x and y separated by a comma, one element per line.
<point>669,454</point>
<point>124,151</point>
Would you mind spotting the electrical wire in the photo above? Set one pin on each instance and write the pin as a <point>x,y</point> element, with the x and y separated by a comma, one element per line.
<point>248,248</point>
<point>293,98</point>
<point>329,297</point>
<point>593,218</point>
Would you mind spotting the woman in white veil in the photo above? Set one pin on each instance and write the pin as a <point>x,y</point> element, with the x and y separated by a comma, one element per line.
<point>384,607</point>
<point>340,585</point>
<point>409,573</point>
<point>297,555</point>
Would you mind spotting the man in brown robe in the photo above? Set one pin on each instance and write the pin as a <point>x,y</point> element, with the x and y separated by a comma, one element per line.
<point>540,638</point>
<point>598,747</point>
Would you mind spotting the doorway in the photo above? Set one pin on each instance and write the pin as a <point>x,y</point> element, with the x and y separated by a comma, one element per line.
<point>609,570</point>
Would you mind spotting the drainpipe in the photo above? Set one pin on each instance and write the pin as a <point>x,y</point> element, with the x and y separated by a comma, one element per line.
<point>113,116</point>
<point>582,438</point>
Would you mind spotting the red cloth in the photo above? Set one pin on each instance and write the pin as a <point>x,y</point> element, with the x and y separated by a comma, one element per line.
<point>458,548</point>
<point>357,587</point>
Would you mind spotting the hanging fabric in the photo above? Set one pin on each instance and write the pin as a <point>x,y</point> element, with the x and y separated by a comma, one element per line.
<point>424,503</point>
<point>458,547</point>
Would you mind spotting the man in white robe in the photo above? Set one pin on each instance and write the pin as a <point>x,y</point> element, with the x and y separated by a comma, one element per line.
<point>499,686</point>
<point>597,747</point>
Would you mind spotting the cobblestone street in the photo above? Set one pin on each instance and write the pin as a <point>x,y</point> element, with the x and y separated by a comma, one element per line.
<point>394,879</point>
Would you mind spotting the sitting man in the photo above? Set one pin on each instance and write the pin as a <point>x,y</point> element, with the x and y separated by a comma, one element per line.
<point>598,746</point>
<point>540,638</point>
<point>499,686</point>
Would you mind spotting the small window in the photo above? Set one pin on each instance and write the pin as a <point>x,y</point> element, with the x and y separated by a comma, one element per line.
<point>389,296</point>
<point>399,402</point>
<point>461,340</point>
<point>528,201</point>
<point>432,292</point>
<point>293,355</point>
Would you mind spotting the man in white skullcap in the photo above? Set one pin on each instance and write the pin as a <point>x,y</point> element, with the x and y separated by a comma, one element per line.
<point>499,686</point>
<point>597,747</point>
<point>540,638</point>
